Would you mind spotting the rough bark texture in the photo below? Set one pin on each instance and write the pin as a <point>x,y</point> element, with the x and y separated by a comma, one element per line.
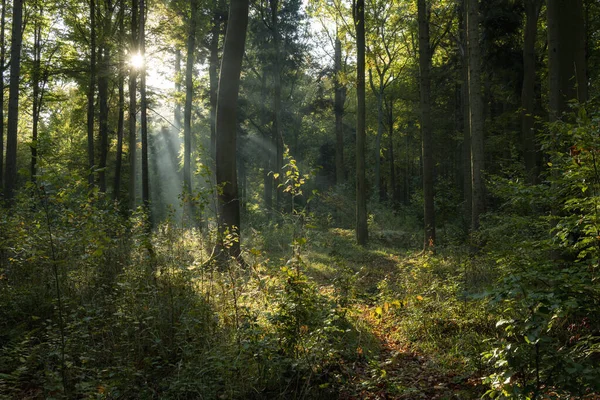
<point>426,134</point>
<point>90,94</point>
<point>121,112</point>
<point>226,127</point>
<point>36,100</point>
<point>2,60</point>
<point>476,113</point>
<point>10,179</point>
<point>566,54</point>
<point>189,94</point>
<point>132,141</point>
<point>532,11</point>
<point>213,72</point>
<point>358,12</point>
<point>466,126</point>
<point>340,175</point>
<point>143,111</point>
<point>104,60</point>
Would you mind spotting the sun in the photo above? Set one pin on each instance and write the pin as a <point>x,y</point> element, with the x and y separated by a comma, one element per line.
<point>137,61</point>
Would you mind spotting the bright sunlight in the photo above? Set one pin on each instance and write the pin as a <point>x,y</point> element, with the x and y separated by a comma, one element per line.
<point>137,61</point>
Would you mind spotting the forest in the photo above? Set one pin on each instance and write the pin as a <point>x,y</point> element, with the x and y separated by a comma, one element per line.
<point>299,199</point>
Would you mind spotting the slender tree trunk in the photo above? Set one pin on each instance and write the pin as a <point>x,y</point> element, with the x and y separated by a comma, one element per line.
<point>226,169</point>
<point>213,72</point>
<point>340,175</point>
<point>476,113</point>
<point>143,111</point>
<point>2,61</point>
<point>90,94</point>
<point>121,117</point>
<point>358,12</point>
<point>566,58</point>
<point>189,94</point>
<point>466,126</point>
<point>532,11</point>
<point>378,189</point>
<point>277,134</point>
<point>393,183</point>
<point>426,134</point>
<point>36,101</point>
<point>268,154</point>
<point>103,116</point>
<point>132,140</point>
<point>177,110</point>
<point>10,179</point>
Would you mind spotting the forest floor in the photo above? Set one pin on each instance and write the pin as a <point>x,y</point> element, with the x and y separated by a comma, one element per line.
<point>415,331</point>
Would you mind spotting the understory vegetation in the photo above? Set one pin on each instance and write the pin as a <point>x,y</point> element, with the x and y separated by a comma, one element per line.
<point>92,305</point>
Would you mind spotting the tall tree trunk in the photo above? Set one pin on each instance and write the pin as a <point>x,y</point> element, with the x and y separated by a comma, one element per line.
<point>532,11</point>
<point>121,112</point>
<point>90,94</point>
<point>103,116</point>
<point>2,60</point>
<point>466,125</point>
<point>189,94</point>
<point>144,110</point>
<point>566,58</point>
<point>36,101</point>
<point>426,134</point>
<point>340,175</point>
<point>229,83</point>
<point>213,73</point>
<point>476,113</point>
<point>10,179</point>
<point>177,110</point>
<point>358,12</point>
<point>268,154</point>
<point>132,141</point>
<point>393,183</point>
<point>276,132</point>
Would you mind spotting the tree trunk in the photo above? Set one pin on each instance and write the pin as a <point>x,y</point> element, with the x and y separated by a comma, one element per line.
<point>226,127</point>
<point>144,110</point>
<point>532,11</point>
<point>276,127</point>
<point>10,179</point>
<point>36,101</point>
<point>189,94</point>
<point>426,134</point>
<point>566,58</point>
<point>90,94</point>
<point>268,157</point>
<point>340,175</point>
<point>103,116</point>
<point>132,141</point>
<point>466,125</point>
<point>121,117</point>
<point>213,73</point>
<point>358,12</point>
<point>476,113</point>
<point>2,60</point>
<point>393,183</point>
<point>177,110</point>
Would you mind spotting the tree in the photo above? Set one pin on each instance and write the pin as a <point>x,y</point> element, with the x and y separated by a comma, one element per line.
<point>90,94</point>
<point>189,95</point>
<point>226,127</point>
<point>339,99</point>
<point>132,141</point>
<point>566,54</point>
<point>426,134</point>
<point>144,110</point>
<point>2,60</point>
<point>121,117</point>
<point>532,12</point>
<point>10,178</point>
<point>476,112</point>
<point>358,12</point>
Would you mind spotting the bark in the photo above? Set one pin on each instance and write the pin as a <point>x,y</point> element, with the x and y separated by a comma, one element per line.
<point>213,72</point>
<point>36,101</point>
<point>121,112</point>
<point>10,179</point>
<point>476,113</point>
<point>393,183</point>
<point>426,133</point>
<point>132,141</point>
<point>177,111</point>
<point>276,127</point>
<point>268,158</point>
<point>340,175</point>
<point>143,110</point>
<point>532,11</point>
<point>226,127</point>
<point>566,58</point>
<point>90,94</point>
<point>2,61</point>
<point>189,94</point>
<point>358,11</point>
<point>103,116</point>
<point>466,126</point>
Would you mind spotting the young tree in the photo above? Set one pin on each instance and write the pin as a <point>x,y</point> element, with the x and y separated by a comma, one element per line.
<point>144,109</point>
<point>90,94</point>
<point>189,95</point>
<point>10,178</point>
<point>358,12</point>
<point>2,60</point>
<point>476,112</point>
<point>226,126</point>
<point>132,142</point>
<point>121,88</point>
<point>426,134</point>
<point>339,99</point>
